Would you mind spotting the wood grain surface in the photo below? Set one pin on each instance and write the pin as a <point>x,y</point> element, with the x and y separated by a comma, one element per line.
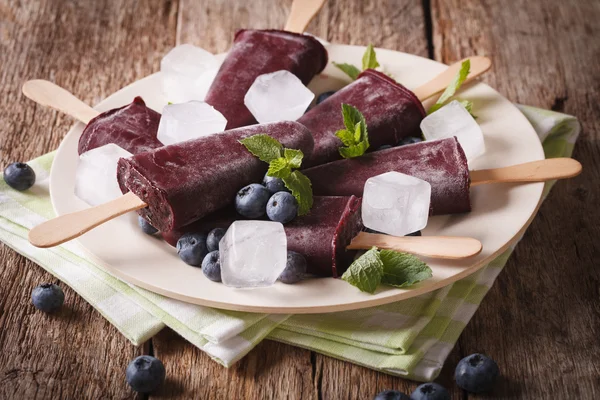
<point>540,321</point>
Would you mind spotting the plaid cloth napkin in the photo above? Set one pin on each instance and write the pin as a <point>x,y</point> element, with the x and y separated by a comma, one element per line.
<point>411,338</point>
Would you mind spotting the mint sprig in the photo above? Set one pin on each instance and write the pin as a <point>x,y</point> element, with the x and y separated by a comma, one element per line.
<point>453,87</point>
<point>355,137</point>
<point>282,163</point>
<point>369,60</point>
<point>386,267</point>
<point>365,272</point>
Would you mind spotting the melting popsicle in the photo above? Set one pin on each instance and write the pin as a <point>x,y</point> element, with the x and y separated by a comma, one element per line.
<point>392,113</point>
<point>321,236</point>
<point>257,52</point>
<point>184,182</point>
<point>132,127</point>
<point>442,163</point>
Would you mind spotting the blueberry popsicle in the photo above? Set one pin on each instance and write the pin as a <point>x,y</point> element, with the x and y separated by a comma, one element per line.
<point>442,163</point>
<point>321,236</point>
<point>184,182</point>
<point>132,127</point>
<point>257,52</point>
<point>392,113</point>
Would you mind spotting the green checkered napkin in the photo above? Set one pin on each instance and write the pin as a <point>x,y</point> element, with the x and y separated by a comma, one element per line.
<point>411,338</point>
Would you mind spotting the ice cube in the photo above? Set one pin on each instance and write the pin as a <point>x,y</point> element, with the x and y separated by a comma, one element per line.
<point>185,121</point>
<point>454,120</point>
<point>96,175</point>
<point>395,203</point>
<point>278,96</point>
<point>187,72</point>
<point>253,253</point>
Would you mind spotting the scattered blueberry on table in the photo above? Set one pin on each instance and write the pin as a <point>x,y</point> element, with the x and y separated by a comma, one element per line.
<point>146,227</point>
<point>19,176</point>
<point>145,374</point>
<point>282,207</point>
<point>410,140</point>
<point>251,201</point>
<point>430,391</point>
<point>476,373</point>
<point>391,395</point>
<point>274,185</point>
<point>48,297</point>
<point>324,96</point>
<point>213,239</point>
<point>211,266</point>
<point>295,268</point>
<point>191,248</point>
<point>385,146</point>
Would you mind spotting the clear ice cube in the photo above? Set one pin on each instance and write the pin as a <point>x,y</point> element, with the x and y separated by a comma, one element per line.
<point>454,120</point>
<point>191,120</point>
<point>96,175</point>
<point>187,72</point>
<point>395,203</point>
<point>278,96</point>
<point>253,253</point>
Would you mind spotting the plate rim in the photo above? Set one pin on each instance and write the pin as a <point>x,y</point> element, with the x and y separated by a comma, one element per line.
<point>359,304</point>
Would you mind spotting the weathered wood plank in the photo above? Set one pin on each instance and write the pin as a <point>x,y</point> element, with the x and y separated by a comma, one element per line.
<point>92,48</point>
<point>541,321</point>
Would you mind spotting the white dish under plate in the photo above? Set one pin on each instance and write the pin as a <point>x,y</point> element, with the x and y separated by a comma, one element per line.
<point>500,213</point>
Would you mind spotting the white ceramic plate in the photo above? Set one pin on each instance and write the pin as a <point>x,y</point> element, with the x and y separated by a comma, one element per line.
<point>500,212</point>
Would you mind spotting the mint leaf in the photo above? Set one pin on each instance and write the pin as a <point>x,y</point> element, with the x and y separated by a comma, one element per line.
<point>456,83</point>
<point>349,70</point>
<point>279,168</point>
<point>468,105</point>
<point>293,157</point>
<point>369,59</point>
<point>345,136</point>
<point>355,136</point>
<point>356,150</point>
<point>365,272</point>
<point>402,269</point>
<point>263,146</point>
<point>301,189</point>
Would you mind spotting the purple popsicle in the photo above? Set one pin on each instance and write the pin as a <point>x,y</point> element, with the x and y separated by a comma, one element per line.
<point>257,52</point>
<point>132,127</point>
<point>321,236</point>
<point>392,113</point>
<point>184,182</point>
<point>442,163</point>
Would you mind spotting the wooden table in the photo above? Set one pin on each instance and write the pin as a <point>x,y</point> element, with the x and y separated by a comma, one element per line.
<point>541,320</point>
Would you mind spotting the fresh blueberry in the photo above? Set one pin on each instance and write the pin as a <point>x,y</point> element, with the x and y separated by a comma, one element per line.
<point>191,248</point>
<point>146,227</point>
<point>282,207</point>
<point>295,268</point>
<point>213,239</point>
<point>391,395</point>
<point>476,373</point>
<point>324,96</point>
<point>410,140</point>
<point>430,391</point>
<point>385,146</point>
<point>211,266</point>
<point>251,201</point>
<point>19,176</point>
<point>145,373</point>
<point>417,233</point>
<point>274,185</point>
<point>48,297</point>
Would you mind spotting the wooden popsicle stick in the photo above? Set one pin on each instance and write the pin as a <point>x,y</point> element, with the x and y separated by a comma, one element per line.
<point>70,226</point>
<point>479,65</point>
<point>445,247</point>
<point>303,11</point>
<point>535,171</point>
<point>49,94</point>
